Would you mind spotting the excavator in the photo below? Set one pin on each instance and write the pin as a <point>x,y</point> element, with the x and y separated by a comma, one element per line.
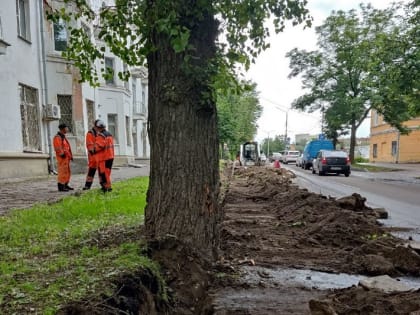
<point>250,154</point>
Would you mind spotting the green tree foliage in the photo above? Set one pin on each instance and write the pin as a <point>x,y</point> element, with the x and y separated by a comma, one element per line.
<point>275,144</point>
<point>190,48</point>
<point>395,72</point>
<point>238,112</point>
<point>356,69</point>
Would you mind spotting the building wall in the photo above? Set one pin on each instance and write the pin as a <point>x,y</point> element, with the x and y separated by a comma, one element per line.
<point>20,65</point>
<point>406,147</point>
<point>36,64</point>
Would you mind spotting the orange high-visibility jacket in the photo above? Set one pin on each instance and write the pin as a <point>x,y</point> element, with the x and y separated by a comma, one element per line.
<point>109,154</point>
<point>90,146</point>
<point>62,147</point>
<point>100,147</point>
<point>90,141</point>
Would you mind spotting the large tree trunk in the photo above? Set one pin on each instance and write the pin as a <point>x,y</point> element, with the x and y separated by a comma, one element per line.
<point>184,179</point>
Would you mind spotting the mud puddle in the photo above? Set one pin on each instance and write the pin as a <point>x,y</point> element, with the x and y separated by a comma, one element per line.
<point>266,291</point>
<point>310,279</point>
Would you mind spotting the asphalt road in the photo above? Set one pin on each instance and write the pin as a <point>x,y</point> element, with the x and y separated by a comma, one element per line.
<point>398,192</point>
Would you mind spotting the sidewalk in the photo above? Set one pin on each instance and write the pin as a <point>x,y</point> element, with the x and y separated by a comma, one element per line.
<point>23,193</point>
<point>403,172</point>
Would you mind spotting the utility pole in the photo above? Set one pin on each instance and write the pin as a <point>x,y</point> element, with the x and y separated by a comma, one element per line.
<point>285,133</point>
<point>268,142</point>
<point>287,118</point>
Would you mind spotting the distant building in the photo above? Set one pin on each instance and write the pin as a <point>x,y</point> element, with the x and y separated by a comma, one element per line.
<point>302,138</point>
<point>388,145</point>
<point>361,149</point>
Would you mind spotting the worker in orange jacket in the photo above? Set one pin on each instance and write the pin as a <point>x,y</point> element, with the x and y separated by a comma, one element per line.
<point>63,155</point>
<point>101,155</point>
<point>109,159</point>
<point>92,160</point>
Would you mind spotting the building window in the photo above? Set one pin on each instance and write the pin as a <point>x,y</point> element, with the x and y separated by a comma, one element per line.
<point>109,68</point>
<point>60,35</point>
<point>29,110</point>
<point>22,13</point>
<point>66,108</point>
<point>134,91</point>
<point>113,126</point>
<point>90,109</point>
<point>143,98</point>
<point>125,70</point>
<point>394,148</point>
<point>127,130</point>
<point>375,150</point>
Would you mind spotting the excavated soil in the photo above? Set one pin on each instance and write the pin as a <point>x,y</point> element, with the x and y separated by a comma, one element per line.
<point>272,227</point>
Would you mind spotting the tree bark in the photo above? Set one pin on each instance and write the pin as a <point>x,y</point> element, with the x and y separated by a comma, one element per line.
<point>182,199</point>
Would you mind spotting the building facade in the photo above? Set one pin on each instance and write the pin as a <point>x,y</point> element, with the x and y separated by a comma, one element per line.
<point>40,89</point>
<point>387,144</point>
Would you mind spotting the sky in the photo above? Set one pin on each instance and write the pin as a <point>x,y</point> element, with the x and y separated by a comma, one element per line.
<point>271,69</point>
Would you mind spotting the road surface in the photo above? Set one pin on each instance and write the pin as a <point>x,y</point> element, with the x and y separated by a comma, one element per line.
<point>397,192</point>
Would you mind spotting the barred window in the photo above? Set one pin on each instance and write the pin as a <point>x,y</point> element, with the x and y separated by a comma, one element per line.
<point>66,107</point>
<point>90,108</point>
<point>30,119</point>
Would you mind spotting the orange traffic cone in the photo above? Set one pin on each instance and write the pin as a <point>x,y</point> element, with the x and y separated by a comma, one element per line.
<point>276,164</point>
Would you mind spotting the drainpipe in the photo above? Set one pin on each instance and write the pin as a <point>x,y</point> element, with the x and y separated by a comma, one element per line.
<point>45,84</point>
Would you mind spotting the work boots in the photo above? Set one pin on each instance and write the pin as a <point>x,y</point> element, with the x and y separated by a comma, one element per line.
<point>68,187</point>
<point>87,185</point>
<point>62,187</point>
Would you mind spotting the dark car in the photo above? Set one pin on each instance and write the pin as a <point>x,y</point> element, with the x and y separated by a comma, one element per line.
<point>330,161</point>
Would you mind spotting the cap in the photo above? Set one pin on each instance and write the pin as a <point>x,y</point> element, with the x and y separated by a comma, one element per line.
<point>99,123</point>
<point>62,126</point>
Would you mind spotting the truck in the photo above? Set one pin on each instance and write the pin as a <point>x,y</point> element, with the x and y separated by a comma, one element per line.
<point>250,153</point>
<point>311,150</point>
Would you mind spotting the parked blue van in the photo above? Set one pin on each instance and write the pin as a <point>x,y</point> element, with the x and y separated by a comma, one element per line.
<point>311,150</point>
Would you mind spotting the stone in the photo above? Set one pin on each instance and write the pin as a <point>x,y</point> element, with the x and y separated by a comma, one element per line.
<point>385,284</point>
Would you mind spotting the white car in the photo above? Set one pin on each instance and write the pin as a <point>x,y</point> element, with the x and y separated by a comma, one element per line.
<point>290,156</point>
<point>275,156</point>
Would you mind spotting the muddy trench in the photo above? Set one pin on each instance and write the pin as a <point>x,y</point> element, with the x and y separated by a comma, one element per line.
<point>283,250</point>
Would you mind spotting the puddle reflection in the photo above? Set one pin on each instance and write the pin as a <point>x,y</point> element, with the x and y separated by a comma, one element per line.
<point>310,279</point>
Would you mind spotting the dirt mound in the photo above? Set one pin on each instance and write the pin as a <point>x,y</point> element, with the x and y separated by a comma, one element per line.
<point>271,224</point>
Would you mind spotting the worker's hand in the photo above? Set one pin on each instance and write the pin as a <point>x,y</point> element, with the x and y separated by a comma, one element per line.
<point>62,155</point>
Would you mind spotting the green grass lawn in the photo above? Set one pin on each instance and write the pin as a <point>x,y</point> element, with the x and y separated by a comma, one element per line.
<point>55,253</point>
<point>373,168</point>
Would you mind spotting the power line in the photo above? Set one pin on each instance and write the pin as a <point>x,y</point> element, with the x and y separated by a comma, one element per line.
<point>288,108</point>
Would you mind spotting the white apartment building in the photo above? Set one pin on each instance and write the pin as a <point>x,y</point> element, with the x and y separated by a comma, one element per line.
<point>40,89</point>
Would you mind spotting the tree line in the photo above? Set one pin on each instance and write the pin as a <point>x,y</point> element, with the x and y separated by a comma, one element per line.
<point>366,59</point>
